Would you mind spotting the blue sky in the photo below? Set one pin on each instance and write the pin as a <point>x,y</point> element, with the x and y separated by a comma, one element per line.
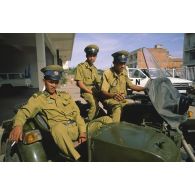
<point>112,42</point>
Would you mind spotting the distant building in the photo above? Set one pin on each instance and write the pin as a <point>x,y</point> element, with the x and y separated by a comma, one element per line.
<point>161,55</point>
<point>189,49</point>
<point>189,55</point>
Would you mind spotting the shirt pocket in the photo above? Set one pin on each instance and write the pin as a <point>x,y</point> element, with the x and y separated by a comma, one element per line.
<point>113,86</point>
<point>122,84</point>
<point>88,77</point>
<point>69,110</point>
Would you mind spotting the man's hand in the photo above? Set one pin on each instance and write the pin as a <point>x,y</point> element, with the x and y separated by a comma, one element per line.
<point>119,97</point>
<point>16,134</point>
<point>82,138</point>
<point>90,91</point>
<point>82,86</point>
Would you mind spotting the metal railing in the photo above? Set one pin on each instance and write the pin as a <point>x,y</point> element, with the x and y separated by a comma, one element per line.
<point>184,73</point>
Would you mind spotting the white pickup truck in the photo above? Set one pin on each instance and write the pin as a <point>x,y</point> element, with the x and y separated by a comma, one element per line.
<point>14,80</point>
<point>141,76</point>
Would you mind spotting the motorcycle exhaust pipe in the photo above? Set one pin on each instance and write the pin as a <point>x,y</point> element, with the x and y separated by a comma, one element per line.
<point>186,146</point>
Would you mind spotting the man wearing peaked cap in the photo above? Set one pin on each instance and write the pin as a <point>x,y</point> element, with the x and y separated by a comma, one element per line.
<point>120,56</point>
<point>91,50</point>
<point>114,85</point>
<point>88,80</point>
<point>53,72</point>
<point>60,110</point>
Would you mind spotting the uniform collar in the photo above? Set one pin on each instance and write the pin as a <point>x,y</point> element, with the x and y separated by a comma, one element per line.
<point>48,95</point>
<point>117,75</point>
<point>88,66</point>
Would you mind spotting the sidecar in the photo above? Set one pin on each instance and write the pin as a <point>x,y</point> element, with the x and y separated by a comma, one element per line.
<point>132,143</point>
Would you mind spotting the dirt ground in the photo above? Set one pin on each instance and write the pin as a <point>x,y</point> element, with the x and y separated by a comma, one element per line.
<point>72,89</point>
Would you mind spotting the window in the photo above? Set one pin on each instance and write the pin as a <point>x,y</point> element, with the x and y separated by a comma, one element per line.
<point>3,76</point>
<point>192,56</point>
<point>136,74</point>
<point>16,76</point>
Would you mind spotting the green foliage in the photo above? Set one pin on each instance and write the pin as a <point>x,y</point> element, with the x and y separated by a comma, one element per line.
<point>71,71</point>
<point>64,78</point>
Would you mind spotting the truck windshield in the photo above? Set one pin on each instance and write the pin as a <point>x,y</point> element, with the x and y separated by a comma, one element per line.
<point>155,72</point>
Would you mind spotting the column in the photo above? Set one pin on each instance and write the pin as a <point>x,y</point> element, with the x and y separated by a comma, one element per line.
<point>41,58</point>
<point>55,59</point>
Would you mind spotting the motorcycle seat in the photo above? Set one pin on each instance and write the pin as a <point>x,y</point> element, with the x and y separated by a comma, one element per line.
<point>40,121</point>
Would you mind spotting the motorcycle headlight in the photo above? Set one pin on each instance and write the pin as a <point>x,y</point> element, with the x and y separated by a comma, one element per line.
<point>31,137</point>
<point>190,114</point>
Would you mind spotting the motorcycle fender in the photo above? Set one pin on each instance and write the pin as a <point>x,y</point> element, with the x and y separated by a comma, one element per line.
<point>32,152</point>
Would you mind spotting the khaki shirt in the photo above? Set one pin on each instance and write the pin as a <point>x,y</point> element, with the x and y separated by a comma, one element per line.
<point>115,83</point>
<point>87,74</point>
<point>60,109</point>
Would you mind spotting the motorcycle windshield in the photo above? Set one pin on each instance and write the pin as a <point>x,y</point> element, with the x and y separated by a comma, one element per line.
<point>153,68</point>
<point>165,99</point>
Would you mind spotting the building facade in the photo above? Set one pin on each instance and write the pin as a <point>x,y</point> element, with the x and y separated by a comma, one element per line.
<point>27,53</point>
<point>189,50</point>
<point>189,55</point>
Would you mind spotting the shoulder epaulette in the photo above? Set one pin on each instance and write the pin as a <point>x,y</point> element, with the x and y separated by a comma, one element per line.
<point>64,94</point>
<point>80,64</point>
<point>107,71</point>
<point>95,67</point>
<point>35,95</point>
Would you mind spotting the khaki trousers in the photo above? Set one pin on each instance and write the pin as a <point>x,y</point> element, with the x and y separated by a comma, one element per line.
<point>93,103</point>
<point>96,124</point>
<point>115,108</point>
<point>64,135</point>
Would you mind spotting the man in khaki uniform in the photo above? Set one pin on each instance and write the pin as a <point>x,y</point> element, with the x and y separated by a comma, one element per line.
<point>60,111</point>
<point>114,85</point>
<point>88,80</point>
